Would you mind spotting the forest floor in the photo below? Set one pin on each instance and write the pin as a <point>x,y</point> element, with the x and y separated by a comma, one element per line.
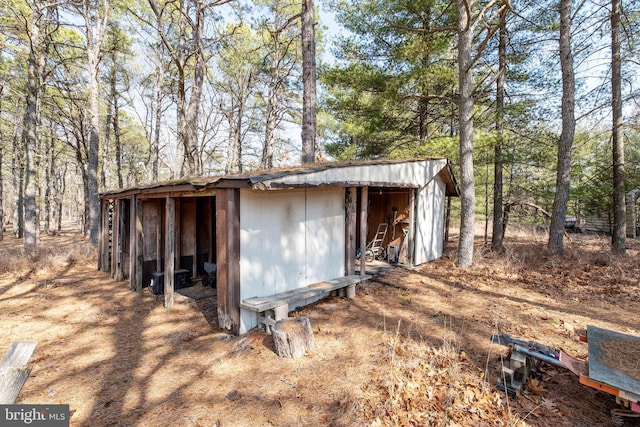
<point>413,347</point>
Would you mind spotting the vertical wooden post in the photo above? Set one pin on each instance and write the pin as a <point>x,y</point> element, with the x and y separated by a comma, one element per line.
<point>447,219</point>
<point>133,243</point>
<point>100,236</point>
<point>169,251</point>
<point>228,258</point>
<point>350,222</point>
<point>194,259</point>
<point>121,237</point>
<point>159,228</point>
<point>107,235</point>
<point>139,245</point>
<point>136,248</point>
<point>364,225</point>
<point>178,233</point>
<point>115,240</point>
<point>412,227</point>
<point>212,229</point>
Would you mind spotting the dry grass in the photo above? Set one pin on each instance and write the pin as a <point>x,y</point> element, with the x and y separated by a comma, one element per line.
<point>48,259</point>
<point>412,348</point>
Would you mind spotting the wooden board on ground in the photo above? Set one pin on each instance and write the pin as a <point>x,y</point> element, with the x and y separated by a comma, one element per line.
<point>613,359</point>
<point>14,371</point>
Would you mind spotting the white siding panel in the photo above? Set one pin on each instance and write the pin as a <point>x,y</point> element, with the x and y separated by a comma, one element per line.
<point>271,239</point>
<point>430,222</point>
<point>289,239</point>
<point>325,235</point>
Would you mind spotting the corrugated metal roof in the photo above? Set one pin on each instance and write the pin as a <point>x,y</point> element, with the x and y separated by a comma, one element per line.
<point>278,178</point>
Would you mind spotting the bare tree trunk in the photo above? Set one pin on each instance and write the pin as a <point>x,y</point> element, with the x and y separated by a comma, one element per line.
<point>497,235</point>
<point>467,180</point>
<point>155,145</point>
<point>17,167</point>
<point>193,110</point>
<point>60,190</point>
<point>556,231</point>
<point>232,151</point>
<point>48,177</point>
<point>270,129</point>
<point>95,26</point>
<point>30,131</point>
<point>619,235</point>
<point>105,162</point>
<point>272,105</point>
<point>1,179</point>
<point>308,82</point>
<point>116,133</point>
<point>237,136</point>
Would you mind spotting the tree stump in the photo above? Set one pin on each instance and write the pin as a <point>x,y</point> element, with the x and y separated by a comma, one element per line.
<point>293,336</point>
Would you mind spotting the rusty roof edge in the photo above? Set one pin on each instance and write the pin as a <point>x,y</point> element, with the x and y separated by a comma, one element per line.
<point>258,178</point>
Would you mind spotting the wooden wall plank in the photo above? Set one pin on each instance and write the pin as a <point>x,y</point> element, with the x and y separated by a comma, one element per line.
<point>412,227</point>
<point>351,196</point>
<point>364,225</point>
<point>114,238</point>
<point>133,243</point>
<point>170,251</point>
<point>100,236</point>
<point>178,230</point>
<point>228,256</point>
<point>139,244</point>
<point>188,233</point>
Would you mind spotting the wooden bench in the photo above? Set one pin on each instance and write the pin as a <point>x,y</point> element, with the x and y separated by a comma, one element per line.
<point>14,371</point>
<point>272,308</point>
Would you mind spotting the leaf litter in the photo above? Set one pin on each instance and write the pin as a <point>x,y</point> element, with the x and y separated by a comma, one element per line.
<point>121,359</point>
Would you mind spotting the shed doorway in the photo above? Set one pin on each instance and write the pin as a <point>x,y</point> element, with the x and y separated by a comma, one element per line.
<point>389,225</point>
<point>195,236</point>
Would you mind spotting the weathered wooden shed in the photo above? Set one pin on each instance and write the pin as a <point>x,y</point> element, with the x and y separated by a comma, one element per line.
<point>602,222</point>
<point>274,232</point>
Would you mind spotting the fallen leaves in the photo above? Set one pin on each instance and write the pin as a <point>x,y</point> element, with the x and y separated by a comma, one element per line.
<point>424,385</point>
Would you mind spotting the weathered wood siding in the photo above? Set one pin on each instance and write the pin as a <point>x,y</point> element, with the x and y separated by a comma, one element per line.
<point>289,240</point>
<point>188,235</point>
<point>228,258</point>
<point>429,238</point>
<point>599,224</point>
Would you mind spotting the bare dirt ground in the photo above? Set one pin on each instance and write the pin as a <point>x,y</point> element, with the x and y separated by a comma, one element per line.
<point>413,347</point>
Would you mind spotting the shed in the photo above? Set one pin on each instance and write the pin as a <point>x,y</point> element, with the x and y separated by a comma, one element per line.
<point>602,221</point>
<point>275,232</point>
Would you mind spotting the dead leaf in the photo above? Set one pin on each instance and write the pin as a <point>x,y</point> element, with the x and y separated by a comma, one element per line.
<point>535,387</point>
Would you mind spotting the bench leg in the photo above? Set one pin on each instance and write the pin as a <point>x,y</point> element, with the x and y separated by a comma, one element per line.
<point>267,321</point>
<point>351,291</point>
<point>281,312</point>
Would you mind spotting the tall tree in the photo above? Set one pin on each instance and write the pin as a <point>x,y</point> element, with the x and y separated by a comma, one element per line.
<point>239,63</point>
<point>392,87</point>
<point>1,166</point>
<point>189,57</point>
<point>497,236</point>
<point>483,19</point>
<point>618,237</point>
<point>465,111</point>
<point>116,47</point>
<point>281,56</point>
<point>42,16</point>
<point>159,97</point>
<point>563,175</point>
<point>309,99</point>
<point>95,15</point>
